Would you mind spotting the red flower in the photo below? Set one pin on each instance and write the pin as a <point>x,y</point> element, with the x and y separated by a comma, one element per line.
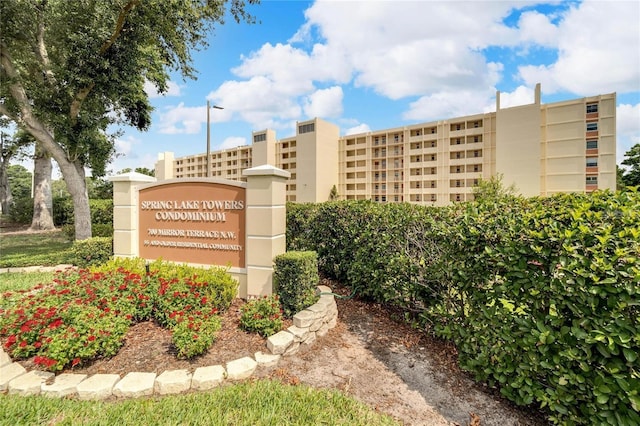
<point>25,328</point>
<point>23,344</point>
<point>122,287</point>
<point>91,338</point>
<point>75,362</point>
<point>55,323</point>
<point>43,360</point>
<point>37,344</point>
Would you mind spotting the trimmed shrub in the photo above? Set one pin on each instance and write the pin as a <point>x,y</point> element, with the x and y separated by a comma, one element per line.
<point>102,230</point>
<point>92,251</point>
<point>262,316</point>
<point>295,278</point>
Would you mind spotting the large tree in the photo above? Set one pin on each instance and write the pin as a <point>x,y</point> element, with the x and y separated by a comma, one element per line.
<point>70,69</point>
<point>631,176</point>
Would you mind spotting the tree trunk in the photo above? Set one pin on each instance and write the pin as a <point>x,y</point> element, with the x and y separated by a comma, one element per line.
<point>5,190</point>
<point>77,187</point>
<point>72,173</point>
<point>42,200</point>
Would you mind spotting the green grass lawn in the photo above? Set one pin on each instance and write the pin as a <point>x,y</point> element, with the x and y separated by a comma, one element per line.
<point>260,402</point>
<point>48,248</point>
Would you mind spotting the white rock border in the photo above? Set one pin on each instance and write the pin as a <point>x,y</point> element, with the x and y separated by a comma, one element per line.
<point>308,325</point>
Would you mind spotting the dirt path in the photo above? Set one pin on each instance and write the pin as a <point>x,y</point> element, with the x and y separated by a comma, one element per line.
<point>396,370</point>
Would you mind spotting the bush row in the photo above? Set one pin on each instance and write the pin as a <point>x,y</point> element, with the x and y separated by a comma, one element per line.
<point>101,211</point>
<point>541,296</point>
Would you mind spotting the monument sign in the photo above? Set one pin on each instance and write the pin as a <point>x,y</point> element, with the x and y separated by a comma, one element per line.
<point>195,222</point>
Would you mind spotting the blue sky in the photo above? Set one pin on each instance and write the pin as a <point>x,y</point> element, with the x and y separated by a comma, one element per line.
<point>370,65</point>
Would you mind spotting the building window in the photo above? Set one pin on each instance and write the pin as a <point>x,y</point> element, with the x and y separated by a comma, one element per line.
<point>307,128</point>
<point>592,180</point>
<point>260,138</point>
<point>591,108</point>
<point>592,126</point>
<point>434,197</point>
<point>592,144</point>
<point>592,161</point>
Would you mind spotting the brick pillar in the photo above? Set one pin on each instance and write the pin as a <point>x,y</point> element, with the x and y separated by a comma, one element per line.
<point>125,212</point>
<point>266,226</point>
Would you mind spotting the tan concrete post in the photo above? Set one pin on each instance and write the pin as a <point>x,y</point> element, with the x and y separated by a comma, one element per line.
<point>125,212</point>
<point>266,225</point>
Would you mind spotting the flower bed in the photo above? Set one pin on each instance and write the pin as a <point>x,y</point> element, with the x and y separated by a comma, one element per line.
<point>85,314</point>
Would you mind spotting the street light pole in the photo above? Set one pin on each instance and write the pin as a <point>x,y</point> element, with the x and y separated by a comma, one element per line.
<point>209,137</point>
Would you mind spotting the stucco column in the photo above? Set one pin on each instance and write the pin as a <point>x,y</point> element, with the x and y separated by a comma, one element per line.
<point>125,212</point>
<point>266,225</point>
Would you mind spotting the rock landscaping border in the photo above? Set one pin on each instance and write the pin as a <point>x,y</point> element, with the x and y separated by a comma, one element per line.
<point>308,325</point>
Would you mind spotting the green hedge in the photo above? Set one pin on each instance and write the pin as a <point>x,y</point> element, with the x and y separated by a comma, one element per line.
<point>92,251</point>
<point>101,211</point>
<point>541,296</point>
<point>295,278</point>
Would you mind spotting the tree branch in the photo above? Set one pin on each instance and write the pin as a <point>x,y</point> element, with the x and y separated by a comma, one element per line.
<point>26,119</point>
<point>119,25</point>
<point>82,94</point>
<point>41,48</point>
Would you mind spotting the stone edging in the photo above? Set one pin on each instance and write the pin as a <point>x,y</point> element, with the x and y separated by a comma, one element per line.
<point>309,324</point>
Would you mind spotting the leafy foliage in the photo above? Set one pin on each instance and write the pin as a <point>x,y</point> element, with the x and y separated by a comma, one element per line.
<point>541,296</point>
<point>295,277</point>
<point>71,70</point>
<point>262,316</point>
<point>493,189</point>
<point>631,176</point>
<point>92,251</point>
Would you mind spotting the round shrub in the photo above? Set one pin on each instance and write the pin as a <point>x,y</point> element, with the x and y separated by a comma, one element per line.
<point>92,251</point>
<point>262,316</point>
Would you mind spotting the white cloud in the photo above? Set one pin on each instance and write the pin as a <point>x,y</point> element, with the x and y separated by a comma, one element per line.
<point>173,89</point>
<point>521,96</point>
<point>599,51</point>
<point>432,52</point>
<point>361,128</point>
<point>446,104</point>
<point>627,128</point>
<point>538,29</point>
<point>232,142</point>
<point>124,146</point>
<point>397,49</point>
<point>324,103</point>
<point>181,119</point>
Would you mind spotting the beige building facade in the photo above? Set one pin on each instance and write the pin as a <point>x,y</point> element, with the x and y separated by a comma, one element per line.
<point>542,149</point>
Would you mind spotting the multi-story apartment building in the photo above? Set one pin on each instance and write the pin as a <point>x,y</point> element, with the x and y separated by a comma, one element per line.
<point>543,149</point>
